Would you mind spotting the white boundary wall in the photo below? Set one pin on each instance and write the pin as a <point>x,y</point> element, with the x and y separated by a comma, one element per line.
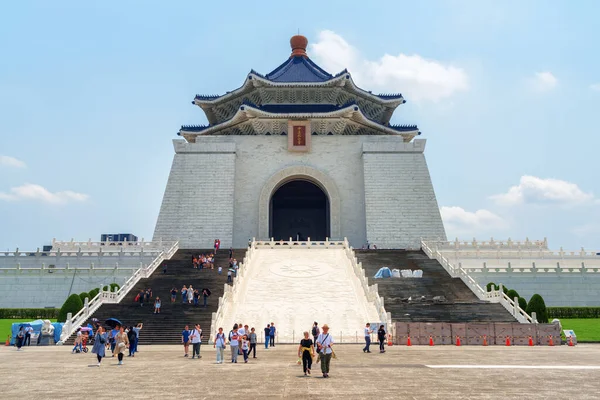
<point>562,278</point>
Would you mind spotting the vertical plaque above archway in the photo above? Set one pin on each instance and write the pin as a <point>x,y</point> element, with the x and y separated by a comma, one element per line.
<point>299,136</point>
<point>299,172</point>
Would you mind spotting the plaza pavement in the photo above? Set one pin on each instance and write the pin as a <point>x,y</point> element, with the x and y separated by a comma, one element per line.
<point>418,372</point>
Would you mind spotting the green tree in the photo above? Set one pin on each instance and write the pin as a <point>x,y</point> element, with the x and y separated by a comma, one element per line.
<point>512,293</point>
<point>492,286</point>
<point>522,303</point>
<point>83,295</point>
<point>72,305</point>
<point>536,304</point>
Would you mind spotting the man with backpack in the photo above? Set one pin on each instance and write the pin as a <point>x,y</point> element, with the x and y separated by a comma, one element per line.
<point>315,331</point>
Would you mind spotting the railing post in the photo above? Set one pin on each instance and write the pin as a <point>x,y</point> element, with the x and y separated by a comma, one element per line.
<point>516,306</point>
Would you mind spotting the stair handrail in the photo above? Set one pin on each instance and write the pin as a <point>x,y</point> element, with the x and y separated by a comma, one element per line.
<point>114,297</point>
<point>493,296</point>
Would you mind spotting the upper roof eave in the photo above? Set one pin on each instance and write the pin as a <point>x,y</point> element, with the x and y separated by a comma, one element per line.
<point>250,110</point>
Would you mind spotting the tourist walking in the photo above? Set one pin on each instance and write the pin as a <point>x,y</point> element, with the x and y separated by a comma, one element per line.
<point>220,346</point>
<point>131,337</point>
<point>217,245</point>
<point>28,332</point>
<point>315,332</point>
<point>368,332</point>
<point>157,304</point>
<point>140,297</point>
<point>272,334</point>
<point>234,343</point>
<point>196,339</point>
<point>190,294</point>
<point>173,295</point>
<point>184,294</point>
<point>267,335</point>
<point>245,347</point>
<point>306,351</point>
<point>205,293</point>
<point>99,348</point>
<point>136,337</point>
<point>112,337</point>
<point>381,336</point>
<point>252,340</point>
<point>185,339</point>
<point>121,344</point>
<point>20,338</point>
<point>324,343</point>
<point>78,342</point>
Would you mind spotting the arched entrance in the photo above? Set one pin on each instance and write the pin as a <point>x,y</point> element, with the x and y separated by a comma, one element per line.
<point>299,209</point>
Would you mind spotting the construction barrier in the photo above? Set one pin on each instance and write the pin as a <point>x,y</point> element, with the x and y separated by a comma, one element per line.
<point>476,334</point>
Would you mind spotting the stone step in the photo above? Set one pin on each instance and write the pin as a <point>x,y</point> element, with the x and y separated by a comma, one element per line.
<point>166,327</point>
<point>412,299</point>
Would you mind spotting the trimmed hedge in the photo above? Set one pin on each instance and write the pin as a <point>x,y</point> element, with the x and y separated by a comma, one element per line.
<point>522,303</point>
<point>536,304</point>
<point>29,313</point>
<point>492,286</point>
<point>114,287</point>
<point>72,305</point>
<point>83,296</point>
<point>573,312</point>
<point>94,292</point>
<point>512,293</point>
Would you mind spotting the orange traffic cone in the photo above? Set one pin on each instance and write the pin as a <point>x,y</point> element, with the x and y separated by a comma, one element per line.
<point>430,340</point>
<point>7,341</point>
<point>390,343</point>
<point>550,341</point>
<point>530,341</point>
<point>571,341</point>
<point>485,340</point>
<point>508,340</point>
<point>457,340</point>
<point>408,343</point>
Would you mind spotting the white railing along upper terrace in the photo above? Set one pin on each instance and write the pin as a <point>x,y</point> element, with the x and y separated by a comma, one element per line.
<point>370,291</point>
<point>494,296</point>
<point>90,306</point>
<point>84,255</point>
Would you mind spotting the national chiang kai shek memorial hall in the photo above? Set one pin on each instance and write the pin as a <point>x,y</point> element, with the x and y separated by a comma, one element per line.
<point>320,197</point>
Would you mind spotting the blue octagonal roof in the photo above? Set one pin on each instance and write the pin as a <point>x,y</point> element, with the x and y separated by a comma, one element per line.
<point>298,69</point>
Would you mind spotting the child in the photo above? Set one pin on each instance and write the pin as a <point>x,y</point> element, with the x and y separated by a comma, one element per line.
<point>220,270</point>
<point>157,305</point>
<point>229,280</point>
<point>245,347</point>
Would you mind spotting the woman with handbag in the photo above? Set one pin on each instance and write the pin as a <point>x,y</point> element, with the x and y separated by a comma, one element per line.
<point>121,344</point>
<point>99,347</point>
<point>306,351</point>
<point>220,346</point>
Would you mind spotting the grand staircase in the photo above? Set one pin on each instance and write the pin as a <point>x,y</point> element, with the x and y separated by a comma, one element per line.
<point>436,297</point>
<point>166,327</point>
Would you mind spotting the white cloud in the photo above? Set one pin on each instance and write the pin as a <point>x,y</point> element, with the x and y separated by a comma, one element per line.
<point>412,75</point>
<point>532,189</point>
<point>460,222</point>
<point>544,81</point>
<point>595,87</point>
<point>8,161</point>
<point>30,191</point>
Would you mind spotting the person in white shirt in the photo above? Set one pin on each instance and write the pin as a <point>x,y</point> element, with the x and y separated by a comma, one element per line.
<point>324,345</point>
<point>241,329</point>
<point>196,339</point>
<point>368,332</point>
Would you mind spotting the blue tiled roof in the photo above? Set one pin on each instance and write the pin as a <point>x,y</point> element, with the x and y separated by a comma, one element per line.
<point>403,128</point>
<point>298,69</point>
<point>194,128</point>
<point>298,108</point>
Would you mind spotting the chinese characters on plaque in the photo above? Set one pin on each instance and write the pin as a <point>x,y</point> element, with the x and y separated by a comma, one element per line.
<point>299,135</point>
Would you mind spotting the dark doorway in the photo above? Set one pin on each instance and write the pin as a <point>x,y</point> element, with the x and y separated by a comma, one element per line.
<point>299,209</point>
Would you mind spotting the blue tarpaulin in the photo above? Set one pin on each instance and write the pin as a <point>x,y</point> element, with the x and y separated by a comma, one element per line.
<point>383,273</point>
<point>37,328</point>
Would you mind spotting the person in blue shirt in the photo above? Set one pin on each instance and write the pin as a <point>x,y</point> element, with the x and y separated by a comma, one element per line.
<point>185,339</point>
<point>272,334</point>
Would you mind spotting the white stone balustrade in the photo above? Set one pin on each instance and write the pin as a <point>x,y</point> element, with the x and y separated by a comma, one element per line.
<point>115,297</point>
<point>495,296</point>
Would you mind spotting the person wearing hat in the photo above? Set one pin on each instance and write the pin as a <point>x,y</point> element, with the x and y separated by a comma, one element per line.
<point>324,343</point>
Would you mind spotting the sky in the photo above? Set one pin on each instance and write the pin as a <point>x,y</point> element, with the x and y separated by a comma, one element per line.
<point>506,93</point>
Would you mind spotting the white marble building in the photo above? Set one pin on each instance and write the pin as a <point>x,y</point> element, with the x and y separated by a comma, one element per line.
<point>299,153</point>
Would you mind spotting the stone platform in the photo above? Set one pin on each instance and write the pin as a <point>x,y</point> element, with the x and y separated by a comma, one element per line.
<point>402,372</point>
